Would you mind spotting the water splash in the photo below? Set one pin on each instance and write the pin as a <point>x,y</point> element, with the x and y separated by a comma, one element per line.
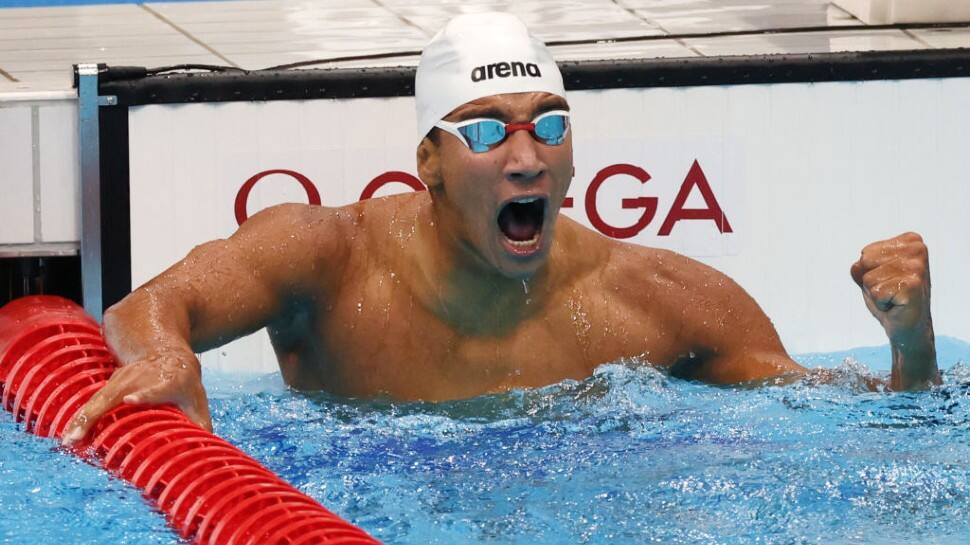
<point>628,455</point>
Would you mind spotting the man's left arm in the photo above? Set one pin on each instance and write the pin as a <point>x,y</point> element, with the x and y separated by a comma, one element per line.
<point>895,281</point>
<point>894,276</point>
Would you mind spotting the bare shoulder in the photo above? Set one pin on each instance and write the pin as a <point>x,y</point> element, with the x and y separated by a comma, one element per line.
<point>298,242</point>
<point>711,328</point>
<point>331,233</point>
<point>661,274</point>
<point>642,271</point>
<point>710,309</point>
<point>383,224</point>
<point>291,224</point>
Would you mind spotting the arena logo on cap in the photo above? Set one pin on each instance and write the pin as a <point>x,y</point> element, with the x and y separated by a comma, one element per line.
<point>506,70</point>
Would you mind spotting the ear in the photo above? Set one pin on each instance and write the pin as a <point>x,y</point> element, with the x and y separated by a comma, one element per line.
<point>429,164</point>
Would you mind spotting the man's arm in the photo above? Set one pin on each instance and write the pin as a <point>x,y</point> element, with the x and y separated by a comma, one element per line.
<point>731,339</point>
<point>222,290</point>
<point>894,277</point>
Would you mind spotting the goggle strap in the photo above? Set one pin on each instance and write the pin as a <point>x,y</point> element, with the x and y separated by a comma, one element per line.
<point>512,127</point>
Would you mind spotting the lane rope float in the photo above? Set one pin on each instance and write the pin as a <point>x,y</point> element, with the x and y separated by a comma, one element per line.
<point>53,358</point>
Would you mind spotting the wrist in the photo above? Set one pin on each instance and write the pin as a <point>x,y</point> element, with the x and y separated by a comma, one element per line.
<point>913,337</point>
<point>914,361</point>
<point>171,358</point>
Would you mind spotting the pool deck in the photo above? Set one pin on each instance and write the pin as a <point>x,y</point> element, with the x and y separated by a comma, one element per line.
<point>38,45</point>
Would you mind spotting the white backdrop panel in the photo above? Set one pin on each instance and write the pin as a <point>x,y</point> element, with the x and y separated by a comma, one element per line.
<point>806,175</point>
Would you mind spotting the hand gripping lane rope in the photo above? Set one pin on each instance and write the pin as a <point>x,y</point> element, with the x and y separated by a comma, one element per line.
<point>53,358</point>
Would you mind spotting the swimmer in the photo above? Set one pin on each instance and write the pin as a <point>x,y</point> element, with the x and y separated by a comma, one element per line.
<point>477,285</point>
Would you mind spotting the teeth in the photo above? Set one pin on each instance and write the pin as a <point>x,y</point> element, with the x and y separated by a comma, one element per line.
<point>524,243</point>
<point>526,200</point>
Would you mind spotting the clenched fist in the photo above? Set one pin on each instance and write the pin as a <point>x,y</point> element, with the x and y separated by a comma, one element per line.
<point>894,276</point>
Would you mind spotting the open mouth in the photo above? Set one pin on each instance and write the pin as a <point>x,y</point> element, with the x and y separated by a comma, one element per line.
<point>521,222</point>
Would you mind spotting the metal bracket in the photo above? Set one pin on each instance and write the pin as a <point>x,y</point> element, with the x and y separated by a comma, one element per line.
<point>90,155</point>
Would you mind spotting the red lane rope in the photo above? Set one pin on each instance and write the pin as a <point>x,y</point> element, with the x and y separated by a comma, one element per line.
<point>53,359</point>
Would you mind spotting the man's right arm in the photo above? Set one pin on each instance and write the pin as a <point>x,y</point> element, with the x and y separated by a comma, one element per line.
<point>222,290</point>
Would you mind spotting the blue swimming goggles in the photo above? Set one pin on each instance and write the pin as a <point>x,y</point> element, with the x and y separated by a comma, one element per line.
<point>483,134</point>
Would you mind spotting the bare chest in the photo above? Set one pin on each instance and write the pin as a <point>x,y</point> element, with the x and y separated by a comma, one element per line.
<point>379,339</point>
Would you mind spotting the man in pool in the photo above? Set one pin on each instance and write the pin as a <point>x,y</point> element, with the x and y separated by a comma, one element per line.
<point>477,285</point>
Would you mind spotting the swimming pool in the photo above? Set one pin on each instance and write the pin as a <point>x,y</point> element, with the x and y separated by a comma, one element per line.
<point>627,456</point>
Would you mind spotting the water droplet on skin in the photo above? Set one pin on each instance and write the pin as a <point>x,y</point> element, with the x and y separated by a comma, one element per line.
<point>525,287</point>
<point>360,306</point>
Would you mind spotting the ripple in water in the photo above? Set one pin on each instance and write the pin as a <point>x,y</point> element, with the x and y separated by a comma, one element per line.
<point>626,456</point>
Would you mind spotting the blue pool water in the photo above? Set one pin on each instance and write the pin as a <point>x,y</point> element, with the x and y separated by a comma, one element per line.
<point>628,456</point>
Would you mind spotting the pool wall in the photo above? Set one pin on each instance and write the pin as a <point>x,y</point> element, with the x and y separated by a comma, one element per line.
<point>39,152</point>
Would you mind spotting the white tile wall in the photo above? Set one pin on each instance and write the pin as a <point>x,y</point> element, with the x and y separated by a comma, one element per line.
<point>622,50</point>
<point>59,177</point>
<point>880,12</point>
<point>294,29</point>
<point>38,45</point>
<point>702,16</point>
<point>944,37</point>
<point>60,79</point>
<point>16,176</point>
<point>833,41</point>
<point>570,19</point>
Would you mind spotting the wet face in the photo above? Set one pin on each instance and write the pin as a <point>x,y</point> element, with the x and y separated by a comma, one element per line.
<point>500,205</point>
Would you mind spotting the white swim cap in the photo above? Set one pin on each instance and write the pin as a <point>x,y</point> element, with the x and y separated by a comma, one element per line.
<point>479,55</point>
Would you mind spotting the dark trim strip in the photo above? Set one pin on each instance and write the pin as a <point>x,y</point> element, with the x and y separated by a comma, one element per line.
<point>811,68</point>
<point>115,206</point>
<point>390,82</point>
<point>261,85</point>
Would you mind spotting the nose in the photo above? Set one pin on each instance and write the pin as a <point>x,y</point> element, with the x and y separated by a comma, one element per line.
<point>522,161</point>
